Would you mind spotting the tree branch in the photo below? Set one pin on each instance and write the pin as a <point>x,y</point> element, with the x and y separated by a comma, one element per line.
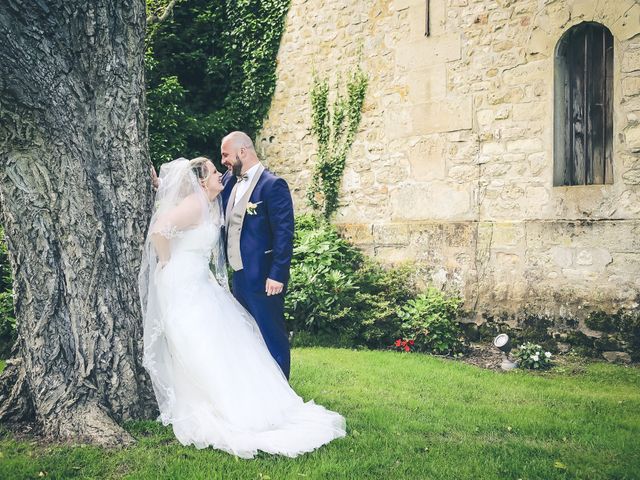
<point>154,18</point>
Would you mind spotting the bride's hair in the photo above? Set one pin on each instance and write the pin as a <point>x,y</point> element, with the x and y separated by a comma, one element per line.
<point>199,168</point>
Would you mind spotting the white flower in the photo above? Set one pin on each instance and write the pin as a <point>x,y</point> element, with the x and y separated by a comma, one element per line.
<point>535,357</point>
<point>251,207</point>
<point>547,354</point>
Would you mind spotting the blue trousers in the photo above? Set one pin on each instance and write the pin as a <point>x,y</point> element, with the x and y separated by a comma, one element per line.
<point>268,312</point>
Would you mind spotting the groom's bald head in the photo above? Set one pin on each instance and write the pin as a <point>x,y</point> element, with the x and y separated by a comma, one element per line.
<point>238,153</point>
<point>238,139</point>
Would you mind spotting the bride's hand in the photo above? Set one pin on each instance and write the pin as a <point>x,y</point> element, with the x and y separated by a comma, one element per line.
<point>155,181</point>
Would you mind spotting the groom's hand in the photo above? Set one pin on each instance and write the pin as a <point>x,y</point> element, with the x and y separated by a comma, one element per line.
<point>273,288</point>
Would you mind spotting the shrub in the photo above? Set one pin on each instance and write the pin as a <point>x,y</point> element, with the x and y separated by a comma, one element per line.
<point>430,320</point>
<point>338,297</point>
<point>403,345</point>
<point>381,291</point>
<point>532,356</point>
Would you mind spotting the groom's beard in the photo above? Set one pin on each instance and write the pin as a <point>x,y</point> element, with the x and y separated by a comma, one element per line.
<point>237,167</point>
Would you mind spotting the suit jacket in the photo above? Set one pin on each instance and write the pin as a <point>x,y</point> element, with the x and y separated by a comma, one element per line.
<point>266,239</point>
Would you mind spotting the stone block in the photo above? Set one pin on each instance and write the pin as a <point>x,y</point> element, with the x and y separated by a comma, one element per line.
<point>631,177</point>
<point>631,60</point>
<point>536,198</point>
<point>398,122</point>
<point>583,10</point>
<point>632,139</point>
<point>492,148</point>
<point>457,234</point>
<point>391,234</point>
<point>630,161</point>
<point>428,51</point>
<point>485,117</point>
<point>562,256</point>
<point>617,357</point>
<point>357,233</point>
<point>503,112</point>
<point>627,263</point>
<point>393,255</point>
<point>540,42</point>
<point>491,169</point>
<point>525,145</point>
<point>427,84</point>
<point>462,173</point>
<point>621,16</point>
<point>445,116</point>
<point>631,86</point>
<point>509,262</point>
<point>537,163</point>
<point>427,201</point>
<point>427,158</point>
<point>501,96</point>
<point>597,258</point>
<point>507,234</point>
<point>527,112</point>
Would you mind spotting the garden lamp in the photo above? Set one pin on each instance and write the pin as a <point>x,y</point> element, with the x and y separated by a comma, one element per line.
<point>503,343</point>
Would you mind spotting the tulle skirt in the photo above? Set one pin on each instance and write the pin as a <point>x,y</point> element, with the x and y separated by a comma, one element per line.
<point>214,378</point>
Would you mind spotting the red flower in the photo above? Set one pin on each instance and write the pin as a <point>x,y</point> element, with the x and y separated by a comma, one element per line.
<point>411,342</point>
<point>407,348</point>
<point>398,342</point>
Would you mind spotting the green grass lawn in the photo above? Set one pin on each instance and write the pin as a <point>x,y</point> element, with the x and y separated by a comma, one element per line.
<point>409,416</point>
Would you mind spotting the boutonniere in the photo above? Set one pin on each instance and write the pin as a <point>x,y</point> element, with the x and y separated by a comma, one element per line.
<point>251,207</point>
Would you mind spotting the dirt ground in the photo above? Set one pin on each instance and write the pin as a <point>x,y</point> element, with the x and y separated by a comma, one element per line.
<point>483,355</point>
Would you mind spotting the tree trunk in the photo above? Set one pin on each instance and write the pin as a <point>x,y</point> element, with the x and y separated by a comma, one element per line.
<point>76,198</point>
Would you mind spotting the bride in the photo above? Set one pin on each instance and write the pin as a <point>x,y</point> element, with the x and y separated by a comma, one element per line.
<point>214,379</point>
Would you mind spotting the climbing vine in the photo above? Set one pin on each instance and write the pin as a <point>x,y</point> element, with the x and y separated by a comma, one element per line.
<point>211,68</point>
<point>335,129</point>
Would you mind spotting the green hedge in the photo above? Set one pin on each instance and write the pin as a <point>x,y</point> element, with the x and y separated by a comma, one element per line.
<point>338,297</point>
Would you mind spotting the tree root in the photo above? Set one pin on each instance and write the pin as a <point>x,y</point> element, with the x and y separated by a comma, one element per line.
<point>88,424</point>
<point>15,398</point>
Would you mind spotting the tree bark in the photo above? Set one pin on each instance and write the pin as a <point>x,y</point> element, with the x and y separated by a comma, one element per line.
<point>76,198</point>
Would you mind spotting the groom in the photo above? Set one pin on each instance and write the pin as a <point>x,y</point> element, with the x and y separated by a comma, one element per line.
<point>259,229</point>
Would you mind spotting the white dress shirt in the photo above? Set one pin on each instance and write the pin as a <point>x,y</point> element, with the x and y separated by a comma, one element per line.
<point>243,186</point>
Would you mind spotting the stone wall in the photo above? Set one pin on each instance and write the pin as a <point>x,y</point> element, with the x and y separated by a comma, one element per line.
<point>453,165</point>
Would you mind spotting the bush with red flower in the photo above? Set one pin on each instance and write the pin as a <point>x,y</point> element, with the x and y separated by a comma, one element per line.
<point>403,345</point>
<point>430,320</point>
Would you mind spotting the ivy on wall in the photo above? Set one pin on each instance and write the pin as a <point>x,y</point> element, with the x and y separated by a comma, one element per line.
<point>335,128</point>
<point>210,69</point>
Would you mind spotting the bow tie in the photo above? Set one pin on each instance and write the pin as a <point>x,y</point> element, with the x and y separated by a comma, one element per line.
<point>242,177</point>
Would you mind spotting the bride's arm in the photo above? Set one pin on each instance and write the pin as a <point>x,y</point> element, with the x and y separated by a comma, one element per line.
<point>182,217</point>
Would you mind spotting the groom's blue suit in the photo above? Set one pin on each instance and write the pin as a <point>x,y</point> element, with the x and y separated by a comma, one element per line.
<point>266,247</point>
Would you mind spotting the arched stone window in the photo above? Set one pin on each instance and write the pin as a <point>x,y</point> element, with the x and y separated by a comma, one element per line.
<point>583,113</point>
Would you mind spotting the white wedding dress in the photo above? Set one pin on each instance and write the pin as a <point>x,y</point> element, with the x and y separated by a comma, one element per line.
<point>214,378</point>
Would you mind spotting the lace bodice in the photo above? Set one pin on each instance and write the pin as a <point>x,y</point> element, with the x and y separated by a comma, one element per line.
<point>200,240</point>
